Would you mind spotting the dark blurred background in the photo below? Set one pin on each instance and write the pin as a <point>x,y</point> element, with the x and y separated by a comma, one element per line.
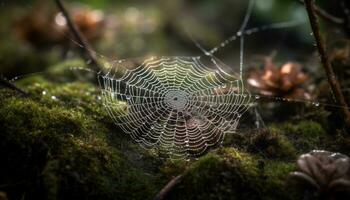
<point>33,35</point>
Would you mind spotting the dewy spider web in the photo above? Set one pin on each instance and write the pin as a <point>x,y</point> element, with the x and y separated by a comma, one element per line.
<point>175,104</point>
<point>178,104</point>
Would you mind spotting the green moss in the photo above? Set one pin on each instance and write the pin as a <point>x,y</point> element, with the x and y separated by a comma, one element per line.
<point>276,171</point>
<point>277,186</point>
<point>305,135</point>
<point>64,147</point>
<point>172,168</point>
<point>307,129</point>
<point>228,173</point>
<point>97,172</point>
<point>213,177</point>
<point>62,144</point>
<point>272,144</point>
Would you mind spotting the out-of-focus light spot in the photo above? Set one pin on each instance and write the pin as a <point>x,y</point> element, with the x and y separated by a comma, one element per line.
<point>132,15</point>
<point>60,19</point>
<point>253,82</point>
<point>97,15</point>
<point>287,68</point>
<point>299,14</point>
<point>265,5</point>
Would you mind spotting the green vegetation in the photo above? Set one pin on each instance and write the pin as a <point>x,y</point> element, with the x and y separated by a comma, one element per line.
<point>62,142</point>
<point>59,143</point>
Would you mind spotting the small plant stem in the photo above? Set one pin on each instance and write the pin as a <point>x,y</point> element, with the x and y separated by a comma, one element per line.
<point>332,80</point>
<point>8,84</point>
<point>86,48</point>
<point>163,194</point>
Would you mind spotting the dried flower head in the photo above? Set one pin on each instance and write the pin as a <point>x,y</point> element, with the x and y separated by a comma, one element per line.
<point>326,172</point>
<point>284,81</point>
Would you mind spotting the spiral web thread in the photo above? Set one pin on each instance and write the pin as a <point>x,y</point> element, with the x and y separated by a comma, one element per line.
<point>175,104</point>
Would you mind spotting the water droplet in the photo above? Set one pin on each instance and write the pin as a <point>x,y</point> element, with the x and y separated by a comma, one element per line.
<point>44,92</point>
<point>53,97</point>
<point>257,97</point>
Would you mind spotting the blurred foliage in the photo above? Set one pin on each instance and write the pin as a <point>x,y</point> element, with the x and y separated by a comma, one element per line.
<point>156,27</point>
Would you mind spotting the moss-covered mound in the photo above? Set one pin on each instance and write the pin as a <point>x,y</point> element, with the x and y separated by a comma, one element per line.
<point>228,173</point>
<point>60,143</point>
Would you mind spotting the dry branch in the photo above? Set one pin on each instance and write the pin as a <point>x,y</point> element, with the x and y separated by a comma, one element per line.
<point>86,49</point>
<point>333,82</point>
<point>325,15</point>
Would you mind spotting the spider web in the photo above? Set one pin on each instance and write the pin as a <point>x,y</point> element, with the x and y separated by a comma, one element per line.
<point>178,104</point>
<point>175,104</point>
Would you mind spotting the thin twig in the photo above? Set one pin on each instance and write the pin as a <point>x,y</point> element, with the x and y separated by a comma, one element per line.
<point>168,187</point>
<point>326,16</point>
<point>333,82</point>
<point>86,49</point>
<point>8,84</point>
